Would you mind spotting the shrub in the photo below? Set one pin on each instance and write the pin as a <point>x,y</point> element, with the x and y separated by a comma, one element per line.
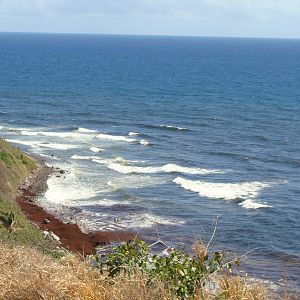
<point>181,272</point>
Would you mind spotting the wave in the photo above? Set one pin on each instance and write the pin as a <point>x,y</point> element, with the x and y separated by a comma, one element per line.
<point>81,157</point>
<point>118,138</point>
<point>133,169</point>
<point>170,127</point>
<point>133,133</point>
<point>66,134</point>
<point>64,190</point>
<point>85,130</point>
<point>250,204</point>
<point>36,144</point>
<point>59,146</point>
<point>134,182</point>
<point>225,191</point>
<point>94,221</point>
<point>1,127</point>
<point>145,142</point>
<point>96,149</point>
<point>166,127</point>
<point>169,168</point>
<point>118,160</point>
<point>25,143</point>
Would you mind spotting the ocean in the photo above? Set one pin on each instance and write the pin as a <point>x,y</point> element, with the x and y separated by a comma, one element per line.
<point>164,135</point>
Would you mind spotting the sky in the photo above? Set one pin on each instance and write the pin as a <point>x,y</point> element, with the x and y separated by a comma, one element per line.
<point>238,18</point>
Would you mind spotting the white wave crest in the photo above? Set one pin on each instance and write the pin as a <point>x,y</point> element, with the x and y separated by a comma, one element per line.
<point>81,157</point>
<point>96,149</point>
<point>133,133</point>
<point>173,168</point>
<point>85,130</point>
<point>118,138</point>
<point>145,142</point>
<point>226,191</point>
<point>173,127</point>
<point>133,169</point>
<point>118,160</point>
<point>250,204</point>
<point>169,168</point>
<point>59,146</point>
<point>36,144</point>
<point>33,144</point>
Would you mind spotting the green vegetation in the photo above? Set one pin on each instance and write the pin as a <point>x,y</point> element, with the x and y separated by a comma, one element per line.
<point>15,167</point>
<point>182,273</point>
<point>15,230</point>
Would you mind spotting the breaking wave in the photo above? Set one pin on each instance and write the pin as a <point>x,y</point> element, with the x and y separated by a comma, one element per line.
<point>227,191</point>
<point>118,138</point>
<point>96,149</point>
<point>169,168</point>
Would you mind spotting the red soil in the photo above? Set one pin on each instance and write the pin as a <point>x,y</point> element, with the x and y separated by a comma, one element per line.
<point>70,235</point>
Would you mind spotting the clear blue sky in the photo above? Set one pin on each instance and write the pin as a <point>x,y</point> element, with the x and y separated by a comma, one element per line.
<point>249,18</point>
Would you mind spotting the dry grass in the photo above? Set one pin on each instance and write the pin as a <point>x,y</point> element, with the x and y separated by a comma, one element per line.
<point>29,275</point>
<point>236,288</point>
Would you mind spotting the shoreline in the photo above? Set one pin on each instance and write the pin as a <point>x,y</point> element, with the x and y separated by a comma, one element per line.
<point>70,235</point>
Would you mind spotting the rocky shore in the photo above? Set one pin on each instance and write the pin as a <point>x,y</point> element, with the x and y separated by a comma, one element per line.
<point>69,235</point>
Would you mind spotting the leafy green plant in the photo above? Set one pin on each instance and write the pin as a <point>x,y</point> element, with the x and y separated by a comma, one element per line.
<point>181,272</point>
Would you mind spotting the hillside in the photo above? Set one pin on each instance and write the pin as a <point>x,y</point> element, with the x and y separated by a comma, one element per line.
<point>15,167</point>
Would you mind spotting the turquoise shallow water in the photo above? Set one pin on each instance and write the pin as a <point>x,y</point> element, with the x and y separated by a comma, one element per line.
<point>162,134</point>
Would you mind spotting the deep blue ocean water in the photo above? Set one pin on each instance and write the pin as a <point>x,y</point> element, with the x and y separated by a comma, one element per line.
<point>161,135</point>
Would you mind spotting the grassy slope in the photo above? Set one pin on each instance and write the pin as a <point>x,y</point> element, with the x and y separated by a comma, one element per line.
<point>15,167</point>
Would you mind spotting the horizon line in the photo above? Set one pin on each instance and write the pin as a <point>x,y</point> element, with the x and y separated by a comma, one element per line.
<point>149,35</point>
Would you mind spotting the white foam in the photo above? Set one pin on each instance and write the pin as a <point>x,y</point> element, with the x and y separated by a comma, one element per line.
<point>134,182</point>
<point>81,157</point>
<point>250,204</point>
<point>119,138</point>
<point>1,127</point>
<point>173,127</point>
<point>85,130</point>
<point>74,135</point>
<point>133,133</point>
<point>96,221</point>
<point>226,191</point>
<point>169,168</point>
<point>96,149</point>
<point>36,144</point>
<point>59,146</point>
<point>133,169</point>
<point>67,188</point>
<point>172,168</point>
<point>118,160</point>
<point>144,142</point>
<point>26,143</point>
<point>29,133</point>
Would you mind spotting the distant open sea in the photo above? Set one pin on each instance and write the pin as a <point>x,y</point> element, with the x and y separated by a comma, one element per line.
<point>161,135</point>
